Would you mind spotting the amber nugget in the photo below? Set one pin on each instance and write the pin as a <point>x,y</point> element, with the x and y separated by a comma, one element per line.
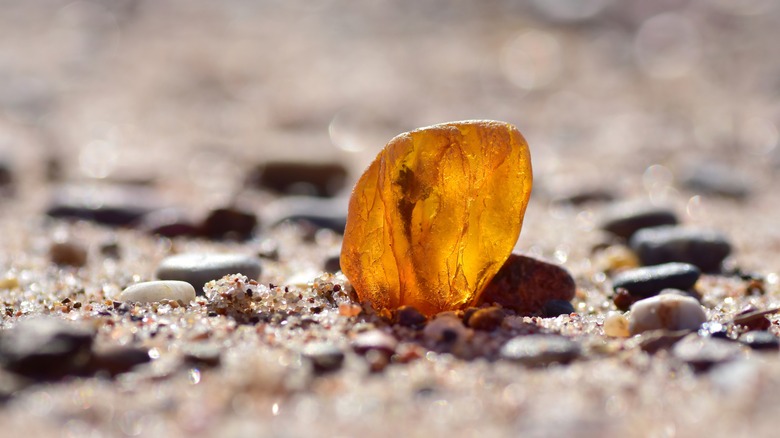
<point>436,214</point>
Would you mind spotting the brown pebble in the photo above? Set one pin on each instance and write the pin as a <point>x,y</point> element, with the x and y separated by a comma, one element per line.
<point>68,253</point>
<point>623,300</point>
<point>318,179</point>
<point>229,223</point>
<point>487,319</point>
<point>408,316</point>
<point>524,284</point>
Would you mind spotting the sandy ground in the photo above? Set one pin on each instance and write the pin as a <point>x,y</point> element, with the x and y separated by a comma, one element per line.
<point>624,96</point>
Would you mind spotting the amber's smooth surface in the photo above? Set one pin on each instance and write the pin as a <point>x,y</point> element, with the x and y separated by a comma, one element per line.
<point>436,214</point>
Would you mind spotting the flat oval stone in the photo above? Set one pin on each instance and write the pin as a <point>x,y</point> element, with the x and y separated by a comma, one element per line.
<point>319,213</point>
<point>703,353</point>
<point>317,179</point>
<point>666,312</point>
<point>760,340</point>
<point>651,280</point>
<point>229,223</point>
<point>718,180</point>
<point>324,356</point>
<point>525,285</point>
<point>540,350</point>
<point>198,269</point>
<point>625,219</point>
<point>154,291</point>
<point>704,248</point>
<point>112,205</point>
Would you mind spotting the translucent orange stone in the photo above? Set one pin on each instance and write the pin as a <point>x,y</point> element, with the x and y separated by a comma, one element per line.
<point>436,214</point>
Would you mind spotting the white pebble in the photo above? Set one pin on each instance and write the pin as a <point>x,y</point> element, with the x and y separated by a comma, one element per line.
<point>153,291</point>
<point>668,311</point>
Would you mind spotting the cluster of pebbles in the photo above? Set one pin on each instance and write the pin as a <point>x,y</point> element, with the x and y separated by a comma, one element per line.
<point>245,316</point>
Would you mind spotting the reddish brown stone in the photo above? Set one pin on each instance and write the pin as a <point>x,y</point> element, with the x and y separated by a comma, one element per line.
<point>524,284</point>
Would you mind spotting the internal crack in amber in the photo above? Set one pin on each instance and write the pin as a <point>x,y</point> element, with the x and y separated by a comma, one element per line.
<point>436,214</point>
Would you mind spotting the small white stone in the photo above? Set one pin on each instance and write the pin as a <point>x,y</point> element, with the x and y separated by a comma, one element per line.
<point>668,311</point>
<point>154,291</point>
<point>616,325</point>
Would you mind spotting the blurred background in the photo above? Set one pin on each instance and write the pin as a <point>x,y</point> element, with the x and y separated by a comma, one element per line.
<point>626,95</point>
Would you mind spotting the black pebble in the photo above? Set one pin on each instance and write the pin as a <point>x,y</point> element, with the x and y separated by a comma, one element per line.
<point>625,219</point>
<point>649,281</point>
<point>553,308</point>
<point>704,248</point>
<point>296,178</point>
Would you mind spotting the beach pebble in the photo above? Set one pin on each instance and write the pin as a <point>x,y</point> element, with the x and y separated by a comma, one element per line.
<point>155,291</point>
<point>704,248</point>
<point>553,308</point>
<point>487,319</point>
<point>666,312</point>
<point>324,356</point>
<point>46,348</point>
<point>445,330</point>
<point>541,349</point>
<point>198,269</point>
<point>229,223</point>
<point>374,340</point>
<point>332,263</point>
<point>648,281</point>
<point>316,213</point>
<point>299,178</point>
<point>112,205</point>
<point>118,360</point>
<point>169,223</point>
<point>525,285</point>
<point>616,325</point>
<point>585,195</point>
<point>716,179</point>
<point>625,219</point>
<point>760,340</point>
<point>409,316</point>
<point>703,353</point>
<point>68,253</point>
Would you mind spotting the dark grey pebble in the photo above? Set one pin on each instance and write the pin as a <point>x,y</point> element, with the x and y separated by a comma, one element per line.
<point>313,212</point>
<point>760,340</point>
<point>704,248</point>
<point>298,178</point>
<point>107,205</point>
<point>625,219</point>
<point>324,357</point>
<point>229,223</point>
<point>541,349</point>
<point>198,269</point>
<point>332,264</point>
<point>717,179</point>
<point>46,348</point>
<point>118,360</point>
<point>169,222</point>
<point>702,353</point>
<point>650,280</point>
<point>655,340</point>
<point>586,195</point>
<point>553,308</point>
<point>409,316</point>
<point>202,355</point>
